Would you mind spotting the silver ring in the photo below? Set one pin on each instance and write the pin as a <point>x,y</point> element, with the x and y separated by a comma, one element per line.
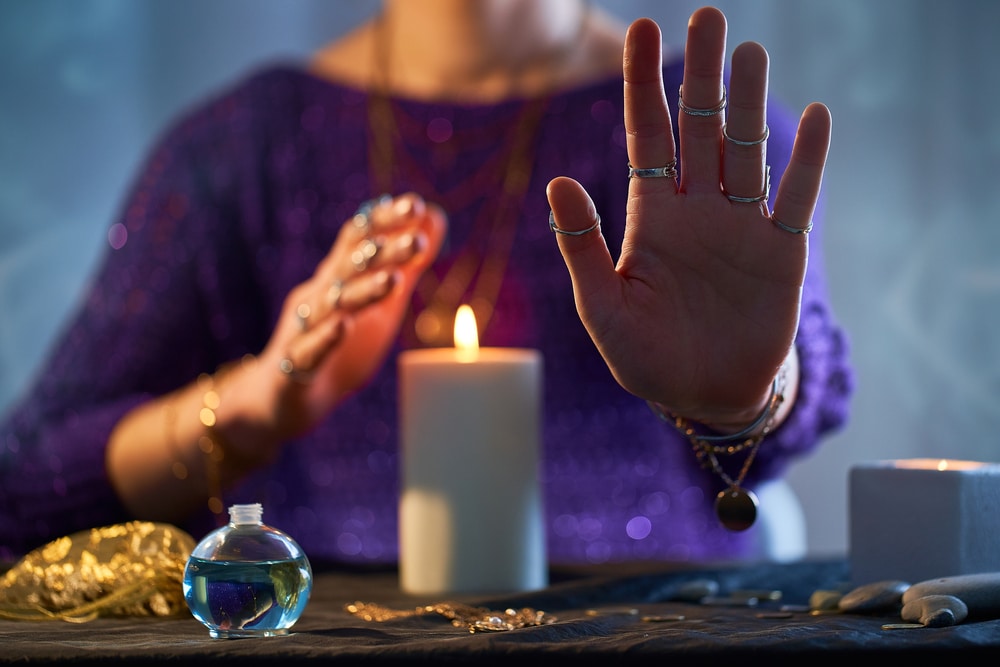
<point>762,197</point>
<point>288,368</point>
<point>334,293</point>
<point>363,216</point>
<point>792,230</point>
<point>669,170</point>
<point>363,254</point>
<point>740,142</point>
<point>302,312</point>
<point>691,111</point>
<point>566,232</point>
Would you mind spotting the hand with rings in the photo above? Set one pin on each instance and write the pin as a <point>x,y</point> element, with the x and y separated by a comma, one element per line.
<point>701,309</point>
<point>336,327</point>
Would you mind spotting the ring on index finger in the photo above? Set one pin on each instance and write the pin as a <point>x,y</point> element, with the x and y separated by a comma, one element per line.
<point>668,170</point>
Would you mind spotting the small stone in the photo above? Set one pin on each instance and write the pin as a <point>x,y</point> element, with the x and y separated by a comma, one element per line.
<point>695,590</point>
<point>825,600</point>
<point>935,611</point>
<point>876,596</point>
<point>980,592</point>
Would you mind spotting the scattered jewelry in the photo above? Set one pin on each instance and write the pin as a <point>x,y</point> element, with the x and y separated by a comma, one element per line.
<point>759,593</point>
<point>729,601</point>
<point>669,618</point>
<point>630,611</point>
<point>476,619</point>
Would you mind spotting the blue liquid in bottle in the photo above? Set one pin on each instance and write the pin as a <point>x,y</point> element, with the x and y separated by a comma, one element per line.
<point>247,579</point>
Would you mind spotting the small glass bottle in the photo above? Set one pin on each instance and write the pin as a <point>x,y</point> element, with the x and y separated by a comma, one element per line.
<point>247,579</point>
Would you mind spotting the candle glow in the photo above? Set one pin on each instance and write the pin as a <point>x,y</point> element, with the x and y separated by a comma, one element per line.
<point>466,334</point>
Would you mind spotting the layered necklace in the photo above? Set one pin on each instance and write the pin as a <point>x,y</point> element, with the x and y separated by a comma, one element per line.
<point>492,192</point>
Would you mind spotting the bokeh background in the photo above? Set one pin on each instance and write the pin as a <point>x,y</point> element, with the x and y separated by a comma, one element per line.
<point>912,231</point>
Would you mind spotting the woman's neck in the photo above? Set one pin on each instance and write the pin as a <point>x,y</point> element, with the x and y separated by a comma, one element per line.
<point>485,50</point>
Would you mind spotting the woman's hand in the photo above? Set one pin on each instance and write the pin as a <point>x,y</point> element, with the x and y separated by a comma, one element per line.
<point>701,309</point>
<point>337,327</point>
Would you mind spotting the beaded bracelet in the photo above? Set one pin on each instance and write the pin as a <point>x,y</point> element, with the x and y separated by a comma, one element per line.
<point>735,506</point>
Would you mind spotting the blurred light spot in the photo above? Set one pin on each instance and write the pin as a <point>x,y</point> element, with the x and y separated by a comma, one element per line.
<point>439,130</point>
<point>638,527</point>
<point>117,236</point>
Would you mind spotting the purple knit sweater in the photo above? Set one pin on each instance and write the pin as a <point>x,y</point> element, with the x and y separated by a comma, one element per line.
<point>239,201</point>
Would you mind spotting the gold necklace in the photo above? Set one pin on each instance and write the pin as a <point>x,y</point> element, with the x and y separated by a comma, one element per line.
<point>477,272</point>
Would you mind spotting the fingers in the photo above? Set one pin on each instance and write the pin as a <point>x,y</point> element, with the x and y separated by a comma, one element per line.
<point>306,351</point>
<point>800,185</point>
<point>387,242</point>
<point>648,131</point>
<point>744,145</point>
<point>703,101</point>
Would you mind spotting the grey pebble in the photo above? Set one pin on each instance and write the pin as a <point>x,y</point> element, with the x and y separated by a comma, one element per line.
<point>935,611</point>
<point>695,590</point>
<point>876,596</point>
<point>980,592</point>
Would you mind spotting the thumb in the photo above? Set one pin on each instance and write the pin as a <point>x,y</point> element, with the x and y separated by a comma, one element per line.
<point>576,225</point>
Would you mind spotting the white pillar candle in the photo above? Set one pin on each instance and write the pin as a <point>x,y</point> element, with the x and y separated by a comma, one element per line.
<point>470,515</point>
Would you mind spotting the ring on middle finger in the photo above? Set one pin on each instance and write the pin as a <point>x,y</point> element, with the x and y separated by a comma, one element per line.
<point>364,253</point>
<point>692,111</point>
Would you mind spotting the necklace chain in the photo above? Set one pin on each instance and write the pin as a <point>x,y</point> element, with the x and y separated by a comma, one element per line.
<point>476,274</point>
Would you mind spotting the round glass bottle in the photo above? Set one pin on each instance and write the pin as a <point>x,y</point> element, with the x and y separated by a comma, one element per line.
<point>247,579</point>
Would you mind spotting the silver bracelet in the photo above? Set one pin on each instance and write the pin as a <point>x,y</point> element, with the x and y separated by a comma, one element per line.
<point>682,425</point>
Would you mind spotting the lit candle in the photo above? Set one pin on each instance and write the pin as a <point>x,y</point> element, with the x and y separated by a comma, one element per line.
<point>470,514</point>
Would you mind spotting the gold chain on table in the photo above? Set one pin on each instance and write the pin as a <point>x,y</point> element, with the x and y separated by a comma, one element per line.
<point>475,619</point>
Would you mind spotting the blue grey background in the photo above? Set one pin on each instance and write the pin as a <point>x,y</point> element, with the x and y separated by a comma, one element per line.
<point>912,230</point>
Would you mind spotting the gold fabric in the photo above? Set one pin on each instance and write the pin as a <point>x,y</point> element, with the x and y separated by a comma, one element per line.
<point>128,569</point>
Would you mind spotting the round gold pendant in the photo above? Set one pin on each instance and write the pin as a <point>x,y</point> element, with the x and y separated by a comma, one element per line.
<point>736,508</point>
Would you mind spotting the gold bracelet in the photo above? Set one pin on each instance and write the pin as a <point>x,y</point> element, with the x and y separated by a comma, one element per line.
<point>177,467</point>
<point>215,447</point>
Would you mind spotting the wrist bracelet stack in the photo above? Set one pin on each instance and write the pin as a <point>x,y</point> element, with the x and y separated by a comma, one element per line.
<point>735,506</point>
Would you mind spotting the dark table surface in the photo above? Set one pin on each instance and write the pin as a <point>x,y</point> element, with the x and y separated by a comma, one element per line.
<point>628,613</point>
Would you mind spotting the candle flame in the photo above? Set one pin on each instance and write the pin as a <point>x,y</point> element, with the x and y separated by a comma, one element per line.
<point>466,334</point>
